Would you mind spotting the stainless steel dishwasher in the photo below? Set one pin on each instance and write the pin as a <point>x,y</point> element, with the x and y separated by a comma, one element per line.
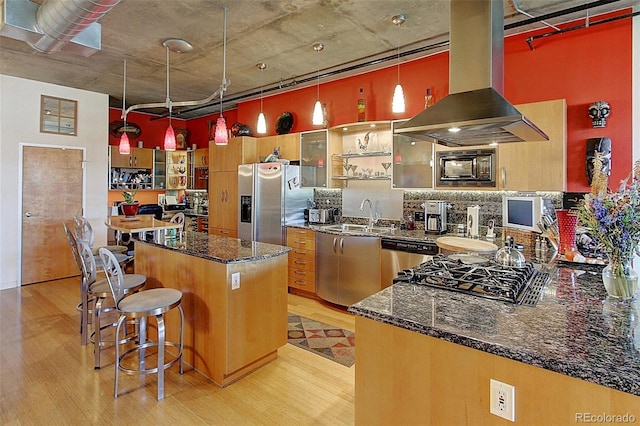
<point>397,255</point>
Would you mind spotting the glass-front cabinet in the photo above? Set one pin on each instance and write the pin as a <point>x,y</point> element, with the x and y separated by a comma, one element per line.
<point>314,159</point>
<point>412,161</point>
<point>177,170</point>
<point>159,169</point>
<point>364,153</point>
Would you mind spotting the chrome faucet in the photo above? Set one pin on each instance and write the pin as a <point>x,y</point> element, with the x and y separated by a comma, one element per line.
<point>372,219</point>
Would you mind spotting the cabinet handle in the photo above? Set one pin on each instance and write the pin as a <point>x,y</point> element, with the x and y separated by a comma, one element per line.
<point>300,282</point>
<point>299,272</point>
<point>341,245</point>
<point>130,161</point>
<point>300,252</point>
<point>135,161</point>
<point>335,241</point>
<point>222,196</point>
<point>300,262</point>
<point>503,176</point>
<point>301,242</point>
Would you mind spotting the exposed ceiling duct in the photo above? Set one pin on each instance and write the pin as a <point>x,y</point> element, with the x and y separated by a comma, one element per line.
<point>475,112</point>
<point>56,24</point>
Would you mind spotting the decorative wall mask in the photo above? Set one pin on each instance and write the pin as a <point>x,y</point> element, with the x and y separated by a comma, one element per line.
<point>599,111</point>
<point>117,128</point>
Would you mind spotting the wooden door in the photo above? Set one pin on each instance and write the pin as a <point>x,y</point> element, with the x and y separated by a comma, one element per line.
<point>52,180</point>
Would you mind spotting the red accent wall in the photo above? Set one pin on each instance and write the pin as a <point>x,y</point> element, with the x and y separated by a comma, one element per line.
<point>581,66</point>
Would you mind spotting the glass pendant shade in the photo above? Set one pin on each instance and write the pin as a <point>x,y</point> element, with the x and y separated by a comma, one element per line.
<point>262,124</point>
<point>397,104</point>
<point>317,114</point>
<point>221,136</point>
<point>170,139</point>
<point>124,147</point>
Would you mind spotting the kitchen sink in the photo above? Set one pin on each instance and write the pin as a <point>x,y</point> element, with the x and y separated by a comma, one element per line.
<point>348,228</point>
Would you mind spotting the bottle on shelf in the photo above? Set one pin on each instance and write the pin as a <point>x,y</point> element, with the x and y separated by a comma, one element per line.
<point>361,106</point>
<point>325,116</point>
<point>428,98</point>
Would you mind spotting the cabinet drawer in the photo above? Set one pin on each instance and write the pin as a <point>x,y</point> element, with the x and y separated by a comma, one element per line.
<point>305,263</point>
<point>302,282</point>
<point>303,253</point>
<point>302,243</point>
<point>301,233</point>
<point>222,232</point>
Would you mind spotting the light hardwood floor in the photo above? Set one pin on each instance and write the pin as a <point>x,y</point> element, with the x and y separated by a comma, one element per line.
<point>47,377</point>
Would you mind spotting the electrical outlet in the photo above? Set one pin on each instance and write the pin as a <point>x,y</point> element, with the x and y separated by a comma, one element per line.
<point>503,400</point>
<point>235,281</point>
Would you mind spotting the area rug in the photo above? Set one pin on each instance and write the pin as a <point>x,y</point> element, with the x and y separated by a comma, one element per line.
<point>322,339</point>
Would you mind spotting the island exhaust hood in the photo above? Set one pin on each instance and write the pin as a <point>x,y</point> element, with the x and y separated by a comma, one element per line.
<point>474,113</point>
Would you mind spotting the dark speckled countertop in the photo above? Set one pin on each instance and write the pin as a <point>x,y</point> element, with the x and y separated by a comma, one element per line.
<point>221,249</point>
<point>573,330</point>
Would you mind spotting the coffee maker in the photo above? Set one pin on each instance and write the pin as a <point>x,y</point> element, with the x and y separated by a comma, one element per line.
<point>435,217</point>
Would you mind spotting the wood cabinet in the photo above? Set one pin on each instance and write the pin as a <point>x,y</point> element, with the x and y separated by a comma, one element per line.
<point>387,392</point>
<point>302,259</point>
<point>139,158</point>
<point>227,332</point>
<point>537,165</point>
<point>226,158</point>
<point>201,158</point>
<point>223,182</point>
<point>223,200</point>
<point>289,146</point>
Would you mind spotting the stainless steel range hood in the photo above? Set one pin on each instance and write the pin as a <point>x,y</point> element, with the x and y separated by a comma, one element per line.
<point>475,105</point>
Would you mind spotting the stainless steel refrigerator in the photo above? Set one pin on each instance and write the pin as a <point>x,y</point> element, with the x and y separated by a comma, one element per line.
<point>270,198</point>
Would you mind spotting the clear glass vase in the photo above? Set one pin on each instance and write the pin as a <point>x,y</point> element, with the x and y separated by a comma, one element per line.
<point>619,278</point>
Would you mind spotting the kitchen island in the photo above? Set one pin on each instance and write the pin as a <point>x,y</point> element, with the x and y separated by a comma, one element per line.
<point>234,299</point>
<point>426,356</point>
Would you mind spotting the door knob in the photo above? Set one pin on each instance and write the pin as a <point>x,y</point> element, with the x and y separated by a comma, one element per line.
<point>28,214</point>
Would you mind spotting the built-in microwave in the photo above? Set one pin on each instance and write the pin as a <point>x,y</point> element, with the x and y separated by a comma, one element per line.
<point>472,167</point>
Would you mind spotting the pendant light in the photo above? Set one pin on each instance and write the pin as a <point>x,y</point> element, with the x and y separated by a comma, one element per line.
<point>397,104</point>
<point>221,136</point>
<point>124,147</point>
<point>262,123</point>
<point>179,46</point>
<point>317,109</point>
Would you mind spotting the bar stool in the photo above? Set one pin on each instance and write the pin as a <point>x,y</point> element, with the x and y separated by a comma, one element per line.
<point>146,303</point>
<point>99,291</point>
<point>83,306</point>
<point>84,231</point>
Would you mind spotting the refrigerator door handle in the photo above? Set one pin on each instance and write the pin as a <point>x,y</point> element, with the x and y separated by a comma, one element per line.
<point>341,245</point>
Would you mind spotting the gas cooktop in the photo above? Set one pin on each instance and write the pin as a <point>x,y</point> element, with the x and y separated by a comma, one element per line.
<point>489,279</point>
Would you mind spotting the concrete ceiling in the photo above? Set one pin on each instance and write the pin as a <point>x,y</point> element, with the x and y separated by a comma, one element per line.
<point>278,33</point>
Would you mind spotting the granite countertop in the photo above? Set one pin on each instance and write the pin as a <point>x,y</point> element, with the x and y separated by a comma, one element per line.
<point>398,234</point>
<point>574,329</point>
<point>220,249</point>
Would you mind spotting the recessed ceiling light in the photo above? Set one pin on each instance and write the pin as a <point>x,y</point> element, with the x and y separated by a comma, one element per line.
<point>454,129</point>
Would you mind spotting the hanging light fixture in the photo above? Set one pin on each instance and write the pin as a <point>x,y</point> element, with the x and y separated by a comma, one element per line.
<point>262,123</point>
<point>124,147</point>
<point>177,45</point>
<point>317,109</point>
<point>221,136</point>
<point>181,46</point>
<point>397,104</point>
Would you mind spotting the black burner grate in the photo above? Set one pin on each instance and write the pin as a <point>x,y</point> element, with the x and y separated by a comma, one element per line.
<point>489,280</point>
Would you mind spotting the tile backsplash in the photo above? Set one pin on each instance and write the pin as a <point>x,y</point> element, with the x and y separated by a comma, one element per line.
<point>490,203</point>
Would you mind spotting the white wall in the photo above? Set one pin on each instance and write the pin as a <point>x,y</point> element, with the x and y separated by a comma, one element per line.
<point>20,124</point>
